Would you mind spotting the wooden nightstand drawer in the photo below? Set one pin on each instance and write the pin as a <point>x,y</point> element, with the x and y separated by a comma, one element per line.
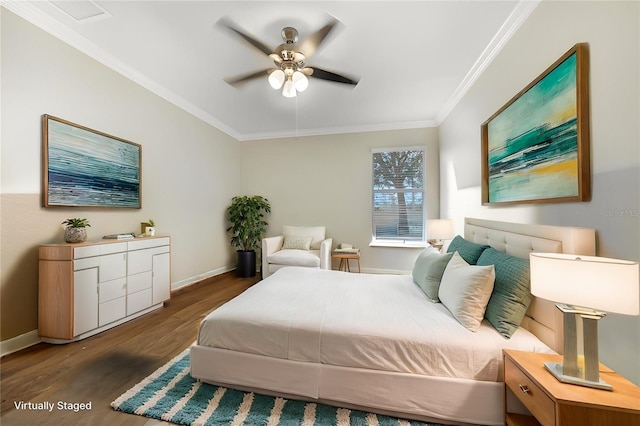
<point>536,401</point>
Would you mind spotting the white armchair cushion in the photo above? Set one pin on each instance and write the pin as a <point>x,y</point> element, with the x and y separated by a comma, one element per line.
<point>292,257</point>
<point>316,233</point>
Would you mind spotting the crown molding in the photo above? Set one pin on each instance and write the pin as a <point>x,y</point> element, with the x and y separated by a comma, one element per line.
<point>520,13</point>
<point>325,131</point>
<point>43,21</point>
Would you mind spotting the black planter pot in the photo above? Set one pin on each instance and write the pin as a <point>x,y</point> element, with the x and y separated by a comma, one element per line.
<point>246,266</point>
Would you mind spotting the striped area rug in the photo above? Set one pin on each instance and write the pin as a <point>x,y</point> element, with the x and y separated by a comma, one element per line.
<point>172,395</point>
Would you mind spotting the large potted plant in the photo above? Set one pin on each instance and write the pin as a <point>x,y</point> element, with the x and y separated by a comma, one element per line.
<point>246,216</point>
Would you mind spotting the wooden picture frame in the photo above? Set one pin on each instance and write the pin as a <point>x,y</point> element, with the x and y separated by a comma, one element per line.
<point>535,149</point>
<point>82,167</point>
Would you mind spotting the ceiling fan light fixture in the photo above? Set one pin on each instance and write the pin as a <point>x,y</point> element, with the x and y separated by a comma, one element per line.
<point>291,73</point>
<point>289,91</point>
<point>276,79</point>
<point>300,81</point>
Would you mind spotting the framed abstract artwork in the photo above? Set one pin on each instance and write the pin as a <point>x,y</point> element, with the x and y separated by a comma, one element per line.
<point>535,149</point>
<point>82,167</point>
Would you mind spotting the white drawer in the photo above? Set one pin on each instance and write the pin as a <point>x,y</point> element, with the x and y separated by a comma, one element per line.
<point>112,248</point>
<point>138,301</point>
<point>138,282</point>
<point>113,289</point>
<point>89,262</point>
<point>148,243</point>
<point>111,311</point>
<point>86,251</point>
<point>113,266</point>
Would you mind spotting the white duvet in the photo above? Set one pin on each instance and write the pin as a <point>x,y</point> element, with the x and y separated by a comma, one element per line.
<point>371,321</point>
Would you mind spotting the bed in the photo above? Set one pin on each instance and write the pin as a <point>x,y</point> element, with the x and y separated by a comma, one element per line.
<point>375,342</point>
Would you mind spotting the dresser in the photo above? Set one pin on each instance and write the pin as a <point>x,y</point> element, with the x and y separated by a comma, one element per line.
<point>86,288</point>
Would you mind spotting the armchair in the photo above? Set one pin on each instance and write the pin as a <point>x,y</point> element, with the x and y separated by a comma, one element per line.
<point>297,246</point>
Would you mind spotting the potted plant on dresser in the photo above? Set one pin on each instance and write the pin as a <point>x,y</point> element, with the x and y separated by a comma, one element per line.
<point>246,215</point>
<point>75,230</point>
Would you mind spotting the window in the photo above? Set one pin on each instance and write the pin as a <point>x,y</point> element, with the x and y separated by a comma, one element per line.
<point>398,195</point>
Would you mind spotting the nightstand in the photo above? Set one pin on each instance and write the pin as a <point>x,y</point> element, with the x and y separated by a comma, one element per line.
<point>344,260</point>
<point>551,402</point>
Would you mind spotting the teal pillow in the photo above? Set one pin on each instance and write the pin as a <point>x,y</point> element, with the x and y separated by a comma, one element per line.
<point>469,251</point>
<point>511,292</point>
<point>428,269</point>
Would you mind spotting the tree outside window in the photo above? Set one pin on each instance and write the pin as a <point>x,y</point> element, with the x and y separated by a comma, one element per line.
<point>398,194</point>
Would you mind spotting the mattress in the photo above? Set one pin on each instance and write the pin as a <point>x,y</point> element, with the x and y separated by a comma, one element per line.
<point>369,321</point>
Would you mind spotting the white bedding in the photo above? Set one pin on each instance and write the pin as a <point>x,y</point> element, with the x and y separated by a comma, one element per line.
<point>378,322</point>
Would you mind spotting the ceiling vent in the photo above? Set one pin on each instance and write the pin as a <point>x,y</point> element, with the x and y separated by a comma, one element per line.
<point>82,10</point>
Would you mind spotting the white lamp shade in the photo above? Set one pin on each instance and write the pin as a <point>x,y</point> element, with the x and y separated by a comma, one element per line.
<point>288,91</point>
<point>609,285</point>
<point>300,81</point>
<point>276,79</point>
<point>439,229</point>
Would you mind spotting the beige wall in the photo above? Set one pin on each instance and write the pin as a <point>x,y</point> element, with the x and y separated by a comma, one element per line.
<point>190,170</point>
<point>326,180</point>
<point>612,31</point>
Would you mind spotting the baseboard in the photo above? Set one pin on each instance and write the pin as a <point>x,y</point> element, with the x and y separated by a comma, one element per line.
<point>192,280</point>
<point>20,342</point>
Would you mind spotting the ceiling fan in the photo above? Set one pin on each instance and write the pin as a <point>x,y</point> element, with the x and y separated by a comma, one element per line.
<point>290,59</point>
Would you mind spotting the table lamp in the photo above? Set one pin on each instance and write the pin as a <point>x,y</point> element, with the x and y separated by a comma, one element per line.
<point>585,288</point>
<point>439,230</point>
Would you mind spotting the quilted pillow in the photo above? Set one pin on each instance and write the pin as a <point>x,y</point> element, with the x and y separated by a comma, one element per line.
<point>317,233</point>
<point>469,251</point>
<point>294,242</point>
<point>465,291</point>
<point>428,269</point>
<point>511,292</point>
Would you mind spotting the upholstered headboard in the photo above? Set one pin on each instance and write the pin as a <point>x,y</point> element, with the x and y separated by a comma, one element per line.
<point>519,239</point>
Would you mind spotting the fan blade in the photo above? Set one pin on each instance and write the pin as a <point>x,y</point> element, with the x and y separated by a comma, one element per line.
<point>245,78</point>
<point>311,43</point>
<point>330,76</point>
<point>235,29</point>
<point>275,58</point>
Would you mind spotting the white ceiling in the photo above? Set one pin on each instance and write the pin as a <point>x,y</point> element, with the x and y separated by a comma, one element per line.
<point>414,59</point>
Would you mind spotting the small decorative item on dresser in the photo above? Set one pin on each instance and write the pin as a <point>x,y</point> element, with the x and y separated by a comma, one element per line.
<point>75,230</point>
<point>150,229</point>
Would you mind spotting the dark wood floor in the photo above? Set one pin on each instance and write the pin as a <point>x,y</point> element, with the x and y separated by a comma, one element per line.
<point>102,367</point>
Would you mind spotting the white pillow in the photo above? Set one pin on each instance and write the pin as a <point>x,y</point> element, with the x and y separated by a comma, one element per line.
<point>295,242</point>
<point>315,232</point>
<point>465,291</point>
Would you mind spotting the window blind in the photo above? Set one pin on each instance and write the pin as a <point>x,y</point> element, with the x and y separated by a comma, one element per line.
<point>398,194</point>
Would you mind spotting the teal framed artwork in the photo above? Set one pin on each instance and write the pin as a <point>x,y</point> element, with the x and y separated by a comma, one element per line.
<point>535,149</point>
<point>82,167</point>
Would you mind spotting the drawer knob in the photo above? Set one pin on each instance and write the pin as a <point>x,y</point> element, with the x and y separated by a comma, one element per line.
<point>524,388</point>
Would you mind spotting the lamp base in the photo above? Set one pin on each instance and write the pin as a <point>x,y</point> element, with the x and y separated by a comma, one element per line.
<point>436,243</point>
<point>556,369</point>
